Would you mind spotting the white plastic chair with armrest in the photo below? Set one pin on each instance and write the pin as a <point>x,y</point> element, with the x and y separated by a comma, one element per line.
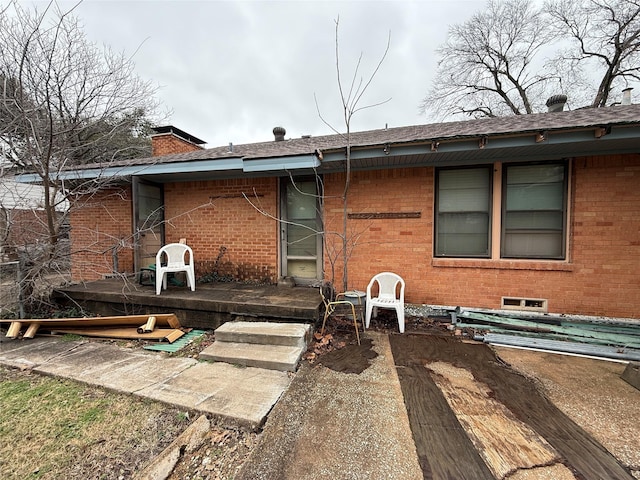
<point>388,297</point>
<point>175,254</point>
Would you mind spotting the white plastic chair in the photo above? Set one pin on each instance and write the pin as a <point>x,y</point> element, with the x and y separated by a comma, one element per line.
<point>175,254</point>
<point>387,297</point>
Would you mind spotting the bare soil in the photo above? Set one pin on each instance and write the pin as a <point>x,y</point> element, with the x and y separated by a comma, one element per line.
<point>576,448</point>
<point>594,406</point>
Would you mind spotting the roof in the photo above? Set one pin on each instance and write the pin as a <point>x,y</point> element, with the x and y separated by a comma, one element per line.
<point>178,132</point>
<point>540,136</point>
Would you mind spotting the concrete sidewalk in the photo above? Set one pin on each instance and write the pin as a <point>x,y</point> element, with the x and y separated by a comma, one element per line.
<point>235,396</point>
<point>331,425</point>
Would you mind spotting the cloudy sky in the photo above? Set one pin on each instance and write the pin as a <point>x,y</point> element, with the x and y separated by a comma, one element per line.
<point>230,71</point>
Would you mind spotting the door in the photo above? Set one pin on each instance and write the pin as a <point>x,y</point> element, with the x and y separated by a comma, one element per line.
<point>300,230</point>
<point>148,214</point>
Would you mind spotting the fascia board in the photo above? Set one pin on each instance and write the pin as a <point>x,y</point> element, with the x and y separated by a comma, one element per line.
<point>584,136</point>
<point>297,162</point>
<point>224,164</point>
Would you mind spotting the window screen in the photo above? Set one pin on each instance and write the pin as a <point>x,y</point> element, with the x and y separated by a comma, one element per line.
<point>533,213</point>
<point>463,212</point>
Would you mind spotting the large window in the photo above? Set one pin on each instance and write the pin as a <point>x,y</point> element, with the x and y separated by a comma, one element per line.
<point>528,219</point>
<point>533,211</point>
<point>463,212</point>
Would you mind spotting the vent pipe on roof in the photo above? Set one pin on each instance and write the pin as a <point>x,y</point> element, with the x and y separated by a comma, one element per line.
<point>626,96</point>
<point>279,133</point>
<point>556,103</point>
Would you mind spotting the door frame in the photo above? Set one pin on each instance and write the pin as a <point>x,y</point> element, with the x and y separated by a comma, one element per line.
<point>135,195</point>
<point>283,184</point>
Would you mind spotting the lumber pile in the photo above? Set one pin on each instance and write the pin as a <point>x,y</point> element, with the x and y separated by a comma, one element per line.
<point>159,327</point>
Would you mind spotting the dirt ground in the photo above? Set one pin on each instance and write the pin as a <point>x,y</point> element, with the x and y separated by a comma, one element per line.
<point>575,417</point>
<point>589,392</point>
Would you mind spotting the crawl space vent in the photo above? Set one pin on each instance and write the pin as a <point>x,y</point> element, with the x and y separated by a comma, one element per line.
<point>526,304</point>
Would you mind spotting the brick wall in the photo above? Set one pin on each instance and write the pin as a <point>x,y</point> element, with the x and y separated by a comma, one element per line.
<point>401,245</point>
<point>98,224</point>
<point>602,278</point>
<point>214,214</point>
<point>25,227</point>
<point>168,143</point>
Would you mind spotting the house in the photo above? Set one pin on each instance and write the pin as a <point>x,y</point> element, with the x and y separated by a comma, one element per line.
<point>538,212</point>
<point>23,219</point>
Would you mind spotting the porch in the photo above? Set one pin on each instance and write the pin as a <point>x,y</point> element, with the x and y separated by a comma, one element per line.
<point>208,307</point>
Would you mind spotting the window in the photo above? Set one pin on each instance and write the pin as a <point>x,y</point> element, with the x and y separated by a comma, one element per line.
<point>528,219</point>
<point>463,212</point>
<point>533,211</point>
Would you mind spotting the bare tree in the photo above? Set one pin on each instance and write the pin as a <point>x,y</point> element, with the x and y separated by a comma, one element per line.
<point>65,102</point>
<point>351,103</point>
<point>512,56</point>
<point>604,37</point>
<point>487,65</point>
<point>351,97</point>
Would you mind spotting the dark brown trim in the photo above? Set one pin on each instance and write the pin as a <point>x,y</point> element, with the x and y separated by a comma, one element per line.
<point>385,215</point>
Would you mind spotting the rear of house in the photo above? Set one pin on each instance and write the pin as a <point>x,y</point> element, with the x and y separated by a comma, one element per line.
<point>538,212</point>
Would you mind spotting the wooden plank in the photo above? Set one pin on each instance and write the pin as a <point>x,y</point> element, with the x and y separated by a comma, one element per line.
<point>162,319</point>
<point>31,330</point>
<point>159,334</point>
<point>505,443</point>
<point>14,329</point>
<point>574,330</point>
<point>173,336</point>
<point>552,336</point>
<point>444,449</point>
<point>633,330</point>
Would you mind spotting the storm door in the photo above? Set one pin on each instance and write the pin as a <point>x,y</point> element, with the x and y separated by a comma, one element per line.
<point>148,215</point>
<point>300,230</point>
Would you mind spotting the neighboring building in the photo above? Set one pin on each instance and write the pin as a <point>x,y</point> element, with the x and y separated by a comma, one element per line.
<point>536,212</point>
<point>22,216</point>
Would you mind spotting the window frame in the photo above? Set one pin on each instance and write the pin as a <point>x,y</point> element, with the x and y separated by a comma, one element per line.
<point>497,172</point>
<point>564,211</point>
<point>489,170</point>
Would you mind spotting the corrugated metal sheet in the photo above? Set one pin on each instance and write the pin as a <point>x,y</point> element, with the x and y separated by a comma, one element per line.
<point>561,346</point>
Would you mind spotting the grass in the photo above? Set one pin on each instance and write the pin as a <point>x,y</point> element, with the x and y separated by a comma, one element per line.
<point>53,428</point>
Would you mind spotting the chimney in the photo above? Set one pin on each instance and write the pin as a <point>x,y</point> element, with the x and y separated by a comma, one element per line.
<point>626,96</point>
<point>169,140</point>
<point>279,133</point>
<point>556,103</point>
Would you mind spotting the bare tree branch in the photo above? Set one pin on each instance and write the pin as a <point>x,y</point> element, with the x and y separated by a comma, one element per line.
<point>65,103</point>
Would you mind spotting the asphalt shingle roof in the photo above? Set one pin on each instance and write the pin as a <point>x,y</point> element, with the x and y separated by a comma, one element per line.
<point>511,125</point>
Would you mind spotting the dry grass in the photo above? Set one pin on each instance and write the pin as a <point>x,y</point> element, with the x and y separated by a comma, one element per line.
<point>52,429</point>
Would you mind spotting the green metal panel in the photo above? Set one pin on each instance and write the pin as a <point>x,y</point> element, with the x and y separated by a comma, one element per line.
<point>178,344</point>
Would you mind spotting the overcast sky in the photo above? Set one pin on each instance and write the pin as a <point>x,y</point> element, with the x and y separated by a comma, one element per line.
<point>230,71</point>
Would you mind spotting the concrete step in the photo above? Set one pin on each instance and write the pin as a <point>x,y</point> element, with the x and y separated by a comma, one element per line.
<point>284,358</point>
<point>265,333</point>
